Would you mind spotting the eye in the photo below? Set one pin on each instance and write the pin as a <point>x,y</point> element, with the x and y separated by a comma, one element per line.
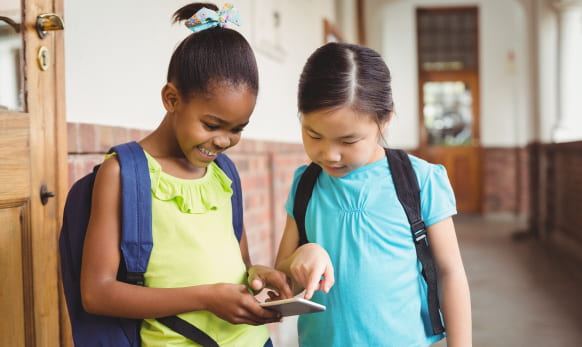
<point>313,137</point>
<point>351,142</point>
<point>237,130</point>
<point>211,127</point>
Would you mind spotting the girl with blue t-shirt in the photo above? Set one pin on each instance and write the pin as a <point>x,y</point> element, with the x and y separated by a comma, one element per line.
<point>197,269</point>
<point>360,239</point>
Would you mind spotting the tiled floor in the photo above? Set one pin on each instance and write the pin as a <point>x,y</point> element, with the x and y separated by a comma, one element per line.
<point>523,295</point>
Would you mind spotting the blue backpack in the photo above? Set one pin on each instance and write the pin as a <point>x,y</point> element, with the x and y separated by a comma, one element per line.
<point>136,246</point>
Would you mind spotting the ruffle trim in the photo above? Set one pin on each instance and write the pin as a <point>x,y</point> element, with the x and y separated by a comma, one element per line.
<point>207,193</point>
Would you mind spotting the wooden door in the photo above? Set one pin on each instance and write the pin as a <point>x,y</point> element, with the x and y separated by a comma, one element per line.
<point>460,154</point>
<point>32,155</point>
<point>449,98</point>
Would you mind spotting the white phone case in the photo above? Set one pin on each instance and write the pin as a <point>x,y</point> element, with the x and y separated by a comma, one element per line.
<point>293,306</point>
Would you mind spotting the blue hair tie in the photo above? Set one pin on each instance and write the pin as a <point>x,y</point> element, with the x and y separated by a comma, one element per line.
<point>206,18</point>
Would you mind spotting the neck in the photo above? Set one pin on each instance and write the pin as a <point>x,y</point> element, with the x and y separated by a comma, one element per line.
<point>162,141</point>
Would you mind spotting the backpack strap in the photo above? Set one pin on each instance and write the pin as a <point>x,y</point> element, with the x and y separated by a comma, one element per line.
<point>186,329</point>
<point>136,210</point>
<point>230,170</point>
<point>408,194</point>
<point>302,197</point>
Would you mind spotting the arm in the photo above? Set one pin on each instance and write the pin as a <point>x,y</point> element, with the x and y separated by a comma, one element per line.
<point>306,265</point>
<point>261,276</point>
<point>103,294</point>
<point>456,301</point>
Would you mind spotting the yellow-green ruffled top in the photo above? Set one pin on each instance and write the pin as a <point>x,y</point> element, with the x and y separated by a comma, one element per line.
<point>194,244</point>
<point>191,196</point>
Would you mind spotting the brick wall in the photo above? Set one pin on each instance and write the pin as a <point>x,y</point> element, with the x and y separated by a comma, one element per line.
<point>505,181</point>
<point>556,190</point>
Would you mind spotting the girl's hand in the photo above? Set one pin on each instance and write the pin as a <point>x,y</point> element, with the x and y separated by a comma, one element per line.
<point>261,277</point>
<point>312,269</point>
<point>234,304</point>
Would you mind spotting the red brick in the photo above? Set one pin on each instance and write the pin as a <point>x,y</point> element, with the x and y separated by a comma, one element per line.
<point>72,138</point>
<point>106,138</point>
<point>120,135</point>
<point>87,138</point>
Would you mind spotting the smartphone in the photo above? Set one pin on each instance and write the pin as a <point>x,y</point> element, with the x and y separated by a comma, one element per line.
<point>293,306</point>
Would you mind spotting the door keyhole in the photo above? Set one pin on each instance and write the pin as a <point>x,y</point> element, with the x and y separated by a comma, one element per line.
<point>43,58</point>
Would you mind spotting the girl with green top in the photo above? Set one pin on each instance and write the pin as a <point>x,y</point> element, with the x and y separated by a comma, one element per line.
<point>197,269</point>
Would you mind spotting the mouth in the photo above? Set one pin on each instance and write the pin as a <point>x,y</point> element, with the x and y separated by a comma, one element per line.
<point>333,168</point>
<point>206,153</point>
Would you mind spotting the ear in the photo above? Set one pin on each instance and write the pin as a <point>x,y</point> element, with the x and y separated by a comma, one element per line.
<point>170,97</point>
<point>385,123</point>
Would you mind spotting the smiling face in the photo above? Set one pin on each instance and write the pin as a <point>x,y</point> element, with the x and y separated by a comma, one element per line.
<point>208,124</point>
<point>341,140</point>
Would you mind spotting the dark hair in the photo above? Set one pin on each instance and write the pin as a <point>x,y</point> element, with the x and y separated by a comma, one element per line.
<point>212,56</point>
<point>340,74</point>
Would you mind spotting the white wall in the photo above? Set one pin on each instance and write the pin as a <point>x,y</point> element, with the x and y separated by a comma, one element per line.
<point>117,54</point>
<point>504,85</point>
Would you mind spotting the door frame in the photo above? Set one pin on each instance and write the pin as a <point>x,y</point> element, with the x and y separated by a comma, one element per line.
<point>455,156</point>
<point>43,157</point>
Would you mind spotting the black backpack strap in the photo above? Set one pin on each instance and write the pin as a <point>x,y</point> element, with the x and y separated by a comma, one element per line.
<point>187,330</point>
<point>302,196</point>
<point>408,193</point>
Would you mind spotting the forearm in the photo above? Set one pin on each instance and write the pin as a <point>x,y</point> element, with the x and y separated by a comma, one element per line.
<point>118,299</point>
<point>456,307</point>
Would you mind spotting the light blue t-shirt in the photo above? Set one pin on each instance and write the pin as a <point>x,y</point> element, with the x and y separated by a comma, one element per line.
<point>379,297</point>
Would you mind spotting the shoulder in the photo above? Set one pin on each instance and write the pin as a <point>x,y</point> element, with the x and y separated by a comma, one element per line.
<point>426,171</point>
<point>297,177</point>
<point>110,167</point>
<point>108,174</point>
<point>291,197</point>
<point>436,194</point>
<point>299,172</point>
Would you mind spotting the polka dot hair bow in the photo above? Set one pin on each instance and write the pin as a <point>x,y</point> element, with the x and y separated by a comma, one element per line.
<point>206,18</point>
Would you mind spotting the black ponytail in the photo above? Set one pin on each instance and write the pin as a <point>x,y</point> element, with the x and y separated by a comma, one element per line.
<point>211,57</point>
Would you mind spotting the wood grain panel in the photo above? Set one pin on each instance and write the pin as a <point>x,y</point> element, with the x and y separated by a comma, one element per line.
<point>14,156</point>
<point>16,327</point>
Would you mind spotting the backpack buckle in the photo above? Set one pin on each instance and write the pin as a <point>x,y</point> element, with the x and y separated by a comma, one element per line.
<point>135,278</point>
<point>419,230</point>
<point>420,235</point>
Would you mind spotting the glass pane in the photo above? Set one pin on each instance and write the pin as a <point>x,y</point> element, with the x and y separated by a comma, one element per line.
<point>447,39</point>
<point>11,59</point>
<point>448,113</point>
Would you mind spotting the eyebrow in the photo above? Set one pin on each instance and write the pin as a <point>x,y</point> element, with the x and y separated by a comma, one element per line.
<point>223,122</point>
<point>349,136</point>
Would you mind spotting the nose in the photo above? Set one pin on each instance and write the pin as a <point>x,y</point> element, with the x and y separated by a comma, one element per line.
<point>331,154</point>
<point>222,141</point>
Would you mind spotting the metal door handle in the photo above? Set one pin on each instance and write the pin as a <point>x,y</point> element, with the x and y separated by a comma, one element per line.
<point>48,22</point>
<point>12,23</point>
<point>45,194</point>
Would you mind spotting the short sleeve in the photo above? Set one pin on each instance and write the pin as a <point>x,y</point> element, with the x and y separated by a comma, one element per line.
<point>291,197</point>
<point>437,199</point>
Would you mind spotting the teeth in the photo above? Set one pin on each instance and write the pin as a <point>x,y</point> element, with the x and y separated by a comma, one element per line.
<point>206,152</point>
